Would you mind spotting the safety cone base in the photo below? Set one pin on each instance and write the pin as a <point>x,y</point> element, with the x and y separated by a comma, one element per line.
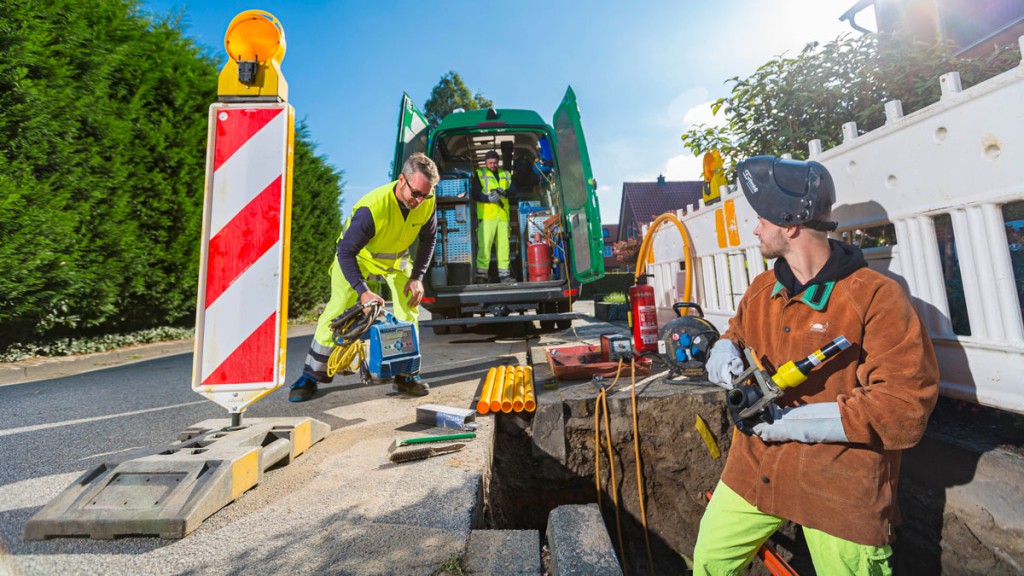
<point>170,491</point>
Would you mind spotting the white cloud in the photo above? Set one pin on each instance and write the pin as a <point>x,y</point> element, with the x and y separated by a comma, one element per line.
<point>683,104</point>
<point>702,114</point>
<point>683,167</point>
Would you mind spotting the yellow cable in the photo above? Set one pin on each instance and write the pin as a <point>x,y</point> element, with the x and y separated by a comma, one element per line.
<point>639,477</point>
<point>597,435</point>
<point>602,401</point>
<point>611,470</point>
<point>342,357</point>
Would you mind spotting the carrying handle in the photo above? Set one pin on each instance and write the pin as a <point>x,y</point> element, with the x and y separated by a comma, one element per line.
<point>678,308</point>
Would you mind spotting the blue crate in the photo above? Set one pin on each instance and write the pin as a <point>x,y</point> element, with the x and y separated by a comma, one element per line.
<point>453,188</point>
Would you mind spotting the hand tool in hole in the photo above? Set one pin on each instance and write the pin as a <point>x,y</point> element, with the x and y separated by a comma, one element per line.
<point>748,403</point>
<point>685,342</point>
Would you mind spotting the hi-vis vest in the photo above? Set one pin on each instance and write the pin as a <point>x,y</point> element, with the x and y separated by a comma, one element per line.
<point>486,210</point>
<point>388,250</point>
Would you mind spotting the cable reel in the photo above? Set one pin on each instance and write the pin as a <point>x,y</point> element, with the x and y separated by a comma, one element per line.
<point>347,330</point>
<point>685,342</point>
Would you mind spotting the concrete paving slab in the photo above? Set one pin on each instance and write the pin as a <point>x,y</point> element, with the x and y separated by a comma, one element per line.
<point>503,553</point>
<point>579,543</point>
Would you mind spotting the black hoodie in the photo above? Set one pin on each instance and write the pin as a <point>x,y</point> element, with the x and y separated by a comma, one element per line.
<point>844,260</point>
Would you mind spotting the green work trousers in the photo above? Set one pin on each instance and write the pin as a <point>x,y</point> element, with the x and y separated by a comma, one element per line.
<point>344,296</point>
<point>732,530</point>
<point>491,232</point>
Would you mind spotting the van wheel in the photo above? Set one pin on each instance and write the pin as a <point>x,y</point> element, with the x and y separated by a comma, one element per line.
<point>547,324</point>
<point>441,330</point>
<point>563,324</point>
<point>456,329</point>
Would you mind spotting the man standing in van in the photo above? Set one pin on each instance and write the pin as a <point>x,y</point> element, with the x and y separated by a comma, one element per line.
<point>374,245</point>
<point>491,188</point>
<point>827,454</point>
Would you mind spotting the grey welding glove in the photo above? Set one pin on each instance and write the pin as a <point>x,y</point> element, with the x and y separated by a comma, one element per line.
<point>493,197</point>
<point>810,424</point>
<point>724,363</point>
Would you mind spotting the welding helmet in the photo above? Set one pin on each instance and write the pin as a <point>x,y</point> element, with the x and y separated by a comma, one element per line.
<point>788,192</point>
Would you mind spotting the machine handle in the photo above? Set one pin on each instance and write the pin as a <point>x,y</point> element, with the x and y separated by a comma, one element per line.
<point>678,308</point>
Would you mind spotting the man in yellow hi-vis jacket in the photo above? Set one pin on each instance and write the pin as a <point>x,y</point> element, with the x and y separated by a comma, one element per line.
<point>375,246</point>
<point>491,189</point>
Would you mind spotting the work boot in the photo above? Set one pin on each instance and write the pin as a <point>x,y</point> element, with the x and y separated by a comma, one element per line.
<point>303,389</point>
<point>505,277</point>
<point>411,384</point>
<point>480,278</point>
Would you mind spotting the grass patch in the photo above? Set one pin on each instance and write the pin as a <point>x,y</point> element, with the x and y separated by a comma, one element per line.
<point>451,567</point>
<point>615,298</point>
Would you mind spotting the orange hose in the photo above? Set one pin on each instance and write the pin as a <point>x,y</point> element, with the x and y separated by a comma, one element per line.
<point>646,253</point>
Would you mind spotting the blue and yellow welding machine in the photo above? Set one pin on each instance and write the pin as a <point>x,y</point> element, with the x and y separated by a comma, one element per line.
<point>393,348</point>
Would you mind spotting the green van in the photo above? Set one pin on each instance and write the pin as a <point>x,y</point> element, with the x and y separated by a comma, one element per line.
<point>555,240</point>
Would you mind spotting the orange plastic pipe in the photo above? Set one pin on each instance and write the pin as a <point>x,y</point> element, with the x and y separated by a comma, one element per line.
<point>510,384</point>
<point>484,402</point>
<point>520,390</point>
<point>529,401</point>
<point>496,388</point>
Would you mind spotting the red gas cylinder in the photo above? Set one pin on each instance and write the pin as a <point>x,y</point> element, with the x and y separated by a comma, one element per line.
<point>644,318</point>
<point>538,260</point>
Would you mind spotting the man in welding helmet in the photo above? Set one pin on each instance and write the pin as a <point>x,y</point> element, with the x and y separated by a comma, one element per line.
<point>827,456</point>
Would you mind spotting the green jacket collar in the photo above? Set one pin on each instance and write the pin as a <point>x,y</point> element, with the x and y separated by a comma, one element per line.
<point>815,295</point>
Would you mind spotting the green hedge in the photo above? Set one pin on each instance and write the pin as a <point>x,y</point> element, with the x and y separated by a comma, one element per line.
<point>103,114</point>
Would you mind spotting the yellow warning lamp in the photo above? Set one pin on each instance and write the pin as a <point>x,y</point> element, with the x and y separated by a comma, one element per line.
<point>714,176</point>
<point>255,45</point>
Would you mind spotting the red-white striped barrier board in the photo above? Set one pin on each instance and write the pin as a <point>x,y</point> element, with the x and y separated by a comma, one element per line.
<point>241,313</point>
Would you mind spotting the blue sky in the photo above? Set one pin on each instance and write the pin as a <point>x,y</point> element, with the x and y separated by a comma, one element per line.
<point>643,72</point>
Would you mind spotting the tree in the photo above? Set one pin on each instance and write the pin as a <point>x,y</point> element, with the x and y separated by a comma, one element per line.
<point>626,251</point>
<point>316,224</point>
<point>451,93</point>
<point>791,100</point>
<point>103,136</point>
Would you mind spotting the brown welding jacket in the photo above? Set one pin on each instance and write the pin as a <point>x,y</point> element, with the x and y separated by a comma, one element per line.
<point>886,385</point>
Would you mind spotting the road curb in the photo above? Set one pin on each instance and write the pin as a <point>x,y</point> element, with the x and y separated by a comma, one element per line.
<point>45,368</point>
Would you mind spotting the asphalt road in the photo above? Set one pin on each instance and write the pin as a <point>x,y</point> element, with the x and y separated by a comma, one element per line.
<point>51,431</point>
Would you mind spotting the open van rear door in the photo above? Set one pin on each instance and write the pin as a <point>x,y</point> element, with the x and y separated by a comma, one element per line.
<point>412,134</point>
<point>578,191</point>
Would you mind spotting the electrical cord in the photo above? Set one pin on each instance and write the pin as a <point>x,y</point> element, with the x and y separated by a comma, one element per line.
<point>348,329</point>
<point>601,409</point>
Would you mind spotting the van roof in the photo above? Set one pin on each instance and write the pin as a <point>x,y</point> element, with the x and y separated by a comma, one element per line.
<point>474,118</point>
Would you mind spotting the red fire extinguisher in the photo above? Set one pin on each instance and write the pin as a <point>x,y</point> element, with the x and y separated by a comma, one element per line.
<point>644,317</point>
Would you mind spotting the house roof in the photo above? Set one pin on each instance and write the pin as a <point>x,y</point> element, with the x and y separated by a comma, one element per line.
<point>645,201</point>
